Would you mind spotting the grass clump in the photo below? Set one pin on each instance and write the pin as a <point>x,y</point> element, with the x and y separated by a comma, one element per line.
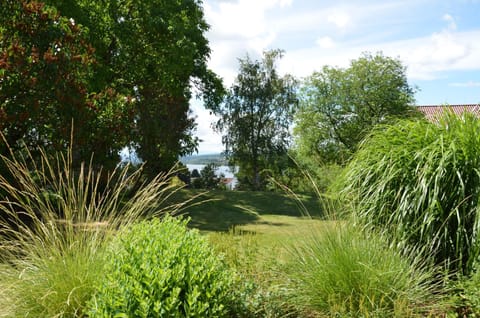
<point>342,272</point>
<point>55,223</point>
<point>160,269</point>
<point>420,182</point>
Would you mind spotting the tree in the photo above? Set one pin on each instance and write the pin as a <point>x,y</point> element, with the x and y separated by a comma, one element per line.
<point>156,51</point>
<point>256,116</point>
<point>209,178</point>
<point>115,73</point>
<point>195,173</point>
<point>340,106</point>
<point>46,93</point>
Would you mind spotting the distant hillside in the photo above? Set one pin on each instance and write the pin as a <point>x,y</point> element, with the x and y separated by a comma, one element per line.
<point>205,159</point>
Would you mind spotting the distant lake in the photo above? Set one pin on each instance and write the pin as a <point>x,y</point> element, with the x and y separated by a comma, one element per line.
<point>227,172</point>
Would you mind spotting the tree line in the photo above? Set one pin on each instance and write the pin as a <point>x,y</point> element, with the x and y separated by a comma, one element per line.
<point>99,76</point>
<point>330,112</point>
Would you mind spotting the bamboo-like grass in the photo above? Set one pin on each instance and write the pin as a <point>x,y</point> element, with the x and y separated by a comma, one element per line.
<point>419,182</point>
<point>55,223</point>
<point>342,271</point>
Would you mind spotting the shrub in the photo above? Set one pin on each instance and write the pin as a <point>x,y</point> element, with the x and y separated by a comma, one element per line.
<point>466,295</point>
<point>344,273</point>
<point>55,222</point>
<point>420,182</point>
<point>261,291</point>
<point>162,269</point>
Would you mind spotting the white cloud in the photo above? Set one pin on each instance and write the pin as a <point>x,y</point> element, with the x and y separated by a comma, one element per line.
<point>466,84</point>
<point>425,57</point>
<point>329,16</point>
<point>252,26</point>
<point>339,19</point>
<point>439,52</point>
<point>451,21</point>
<point>211,142</point>
<point>285,3</point>
<point>445,51</point>
<point>237,28</point>
<point>326,42</point>
<point>242,18</point>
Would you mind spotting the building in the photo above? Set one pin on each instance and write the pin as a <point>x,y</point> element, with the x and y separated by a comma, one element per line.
<point>432,112</point>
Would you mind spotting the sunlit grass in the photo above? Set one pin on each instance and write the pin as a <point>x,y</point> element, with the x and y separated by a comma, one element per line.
<point>260,253</point>
<point>341,271</point>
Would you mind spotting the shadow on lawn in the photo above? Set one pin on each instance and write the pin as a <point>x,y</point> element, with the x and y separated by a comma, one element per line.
<point>223,210</point>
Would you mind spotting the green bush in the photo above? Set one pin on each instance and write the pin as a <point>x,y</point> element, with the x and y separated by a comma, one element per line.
<point>55,222</point>
<point>420,182</point>
<point>466,296</point>
<point>343,272</point>
<point>162,269</point>
<point>261,291</point>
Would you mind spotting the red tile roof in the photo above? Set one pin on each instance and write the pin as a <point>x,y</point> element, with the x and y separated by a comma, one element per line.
<point>226,180</point>
<point>433,111</point>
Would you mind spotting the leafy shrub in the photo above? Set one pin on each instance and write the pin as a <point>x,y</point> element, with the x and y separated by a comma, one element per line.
<point>159,269</point>
<point>466,296</point>
<point>344,273</point>
<point>420,182</point>
<point>261,291</point>
<point>55,222</point>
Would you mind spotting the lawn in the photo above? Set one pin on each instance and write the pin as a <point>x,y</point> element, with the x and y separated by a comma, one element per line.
<point>221,211</point>
<point>271,238</point>
<point>257,232</point>
<point>253,229</point>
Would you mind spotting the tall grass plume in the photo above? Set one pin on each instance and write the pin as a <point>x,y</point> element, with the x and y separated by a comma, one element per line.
<point>420,182</point>
<point>55,223</point>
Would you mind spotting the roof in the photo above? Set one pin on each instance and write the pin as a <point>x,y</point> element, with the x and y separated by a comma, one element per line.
<point>433,111</point>
<point>226,180</point>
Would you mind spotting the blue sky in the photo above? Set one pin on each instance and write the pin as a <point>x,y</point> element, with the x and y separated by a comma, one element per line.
<point>438,41</point>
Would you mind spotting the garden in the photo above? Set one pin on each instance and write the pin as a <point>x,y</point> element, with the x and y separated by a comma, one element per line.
<point>349,203</point>
<point>396,236</point>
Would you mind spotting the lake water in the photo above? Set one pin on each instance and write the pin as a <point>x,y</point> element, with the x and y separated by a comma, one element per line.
<point>227,172</point>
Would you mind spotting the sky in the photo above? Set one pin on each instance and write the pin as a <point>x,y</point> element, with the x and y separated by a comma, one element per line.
<point>437,40</point>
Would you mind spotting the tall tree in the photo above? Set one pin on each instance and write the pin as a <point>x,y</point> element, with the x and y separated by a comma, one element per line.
<point>157,51</point>
<point>46,96</point>
<point>256,116</point>
<point>340,106</point>
<point>121,71</point>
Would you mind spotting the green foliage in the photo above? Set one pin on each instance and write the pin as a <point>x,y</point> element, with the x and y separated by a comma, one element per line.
<point>195,174</point>
<point>420,182</point>
<point>55,223</point>
<point>160,268</point>
<point>155,51</point>
<point>339,106</point>
<point>208,177</point>
<point>255,117</point>
<point>46,94</point>
<point>468,298</point>
<point>343,272</point>
<point>303,175</point>
<point>110,74</point>
<point>259,259</point>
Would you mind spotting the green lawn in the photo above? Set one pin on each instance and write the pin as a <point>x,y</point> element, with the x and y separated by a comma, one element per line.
<point>264,235</point>
<point>220,211</point>
<point>256,231</point>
